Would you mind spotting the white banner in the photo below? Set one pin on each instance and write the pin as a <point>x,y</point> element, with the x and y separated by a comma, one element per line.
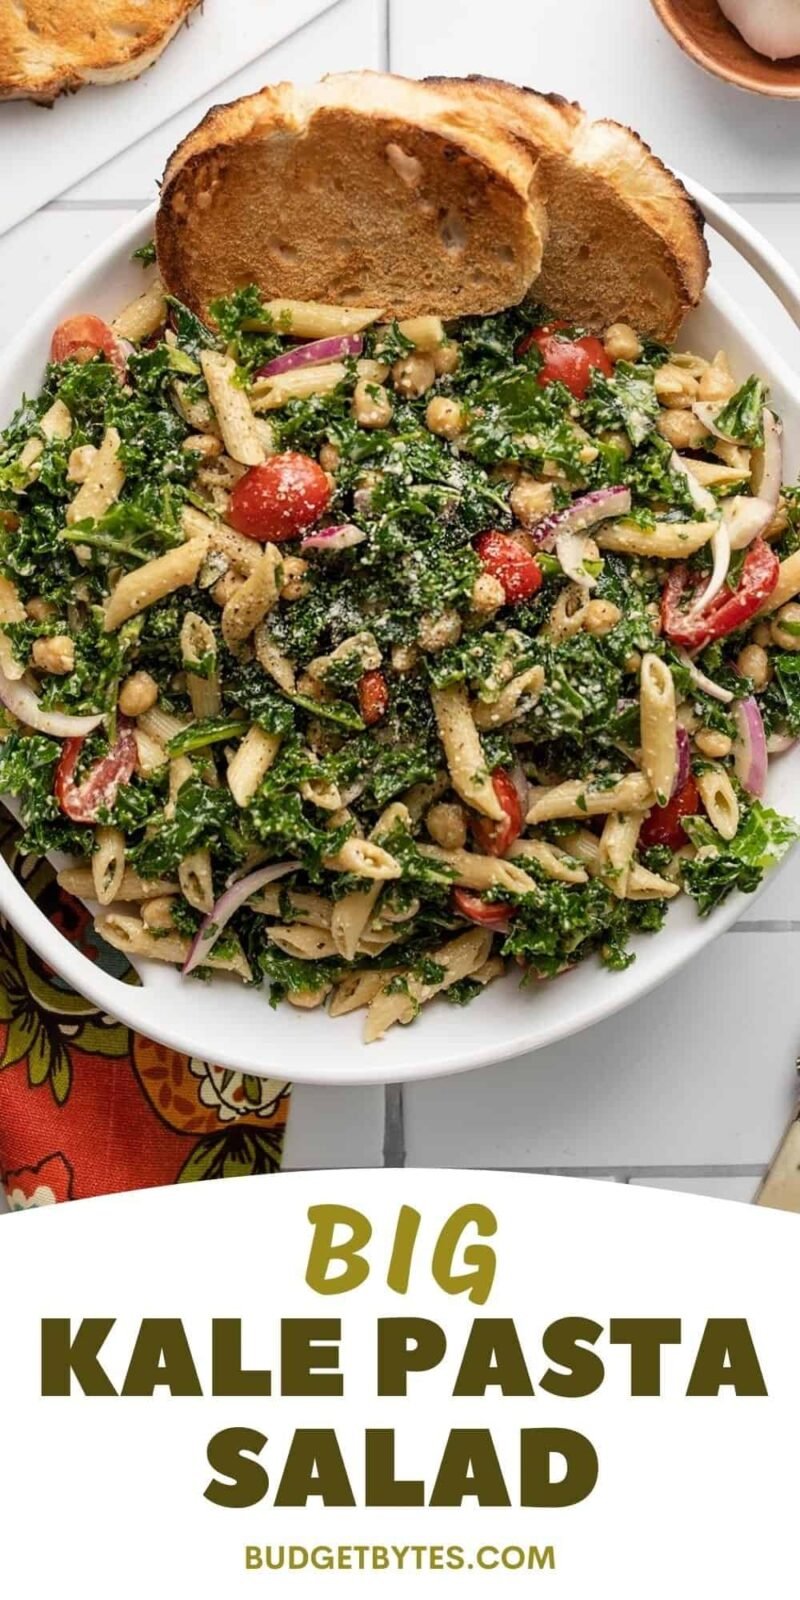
<point>601,1390</point>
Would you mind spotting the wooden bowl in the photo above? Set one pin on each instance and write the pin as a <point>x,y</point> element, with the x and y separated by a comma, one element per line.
<point>709,38</point>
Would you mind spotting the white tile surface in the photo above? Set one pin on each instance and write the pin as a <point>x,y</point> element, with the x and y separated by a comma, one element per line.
<point>617,60</point>
<point>699,1073</point>
<point>53,149</point>
<point>740,1189</point>
<point>351,35</point>
<point>334,1128</point>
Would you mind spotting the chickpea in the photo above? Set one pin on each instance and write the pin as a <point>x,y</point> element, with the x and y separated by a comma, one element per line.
<point>717,382</point>
<point>682,429</point>
<point>80,463</point>
<point>530,500</point>
<point>675,388</point>
<point>779,523</point>
<point>372,407</point>
<point>157,914</point>
<point>600,617</point>
<point>447,825</point>
<point>404,657</point>
<point>622,343</point>
<point>203,444</point>
<point>54,655</point>
<point>446,358</point>
<point>435,633</point>
<point>762,634</point>
<point>445,417</point>
<point>754,663</point>
<point>226,586</point>
<point>787,638</point>
<point>713,744</point>
<point>363,497</point>
<point>618,441</point>
<point>329,457</point>
<point>138,694</point>
<point>413,375</point>
<point>488,595</point>
<point>632,662</point>
<point>41,610</point>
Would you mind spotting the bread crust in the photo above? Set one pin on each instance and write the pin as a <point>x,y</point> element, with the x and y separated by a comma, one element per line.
<point>568,191</point>
<point>601,183</point>
<point>48,50</point>
<point>354,188</point>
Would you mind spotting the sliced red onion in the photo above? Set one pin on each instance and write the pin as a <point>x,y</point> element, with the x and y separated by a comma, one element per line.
<point>521,785</point>
<point>707,412</point>
<point>315,354</point>
<point>683,761</point>
<point>750,749</point>
<point>701,498</point>
<point>766,462</point>
<point>20,700</point>
<point>340,537</point>
<point>779,743</point>
<point>746,517</point>
<point>584,512</point>
<point>721,551</point>
<point>212,926</point>
<point>714,691</point>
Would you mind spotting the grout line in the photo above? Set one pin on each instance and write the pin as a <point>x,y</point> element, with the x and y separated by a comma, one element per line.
<point>95,205</point>
<point>387,35</point>
<point>775,925</point>
<point>394,1130</point>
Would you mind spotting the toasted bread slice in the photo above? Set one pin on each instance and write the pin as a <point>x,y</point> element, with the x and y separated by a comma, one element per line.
<point>625,240</point>
<point>353,192</point>
<point>46,49</point>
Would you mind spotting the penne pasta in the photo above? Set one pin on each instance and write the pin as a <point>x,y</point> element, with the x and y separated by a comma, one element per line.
<point>786,588</point>
<point>130,935</point>
<point>274,661</point>
<point>232,409</point>
<point>658,726</point>
<point>195,879</point>
<point>617,844</point>
<point>480,872</point>
<point>719,798</point>
<point>250,763</point>
<point>461,957</point>
<point>303,942</point>
<point>256,596</point>
<point>517,697</point>
<point>108,864</point>
<point>666,541</point>
<point>102,484</point>
<point>11,610</point>
<point>578,799</point>
<point>310,319</point>
<point>80,882</point>
<point>556,863</point>
<point>463,753</point>
<point>142,317</point>
<point>162,576</point>
<point>270,394</point>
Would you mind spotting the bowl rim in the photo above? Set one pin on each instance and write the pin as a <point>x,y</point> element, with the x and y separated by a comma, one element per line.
<point>147,1010</point>
<point>736,76</point>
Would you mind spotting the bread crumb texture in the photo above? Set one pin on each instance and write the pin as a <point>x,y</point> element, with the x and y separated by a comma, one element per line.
<point>47,49</point>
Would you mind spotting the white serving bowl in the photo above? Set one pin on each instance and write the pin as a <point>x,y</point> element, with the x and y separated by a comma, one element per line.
<point>235,1027</point>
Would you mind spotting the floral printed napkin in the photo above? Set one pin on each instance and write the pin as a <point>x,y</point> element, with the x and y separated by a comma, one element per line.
<point>87,1106</point>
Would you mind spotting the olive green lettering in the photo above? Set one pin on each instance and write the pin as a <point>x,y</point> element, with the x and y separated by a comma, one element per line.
<point>231,1453</point>
<point>564,1342</point>
<point>228,1375</point>
<point>469,1468</point>
<point>407,1344</point>
<point>303,1355</point>
<point>727,1356</point>
<point>314,1468</point>
<point>323,1252</point>
<point>383,1488</point>
<point>493,1356</point>
<point>161,1358</point>
<point>477,1283</point>
<point>63,1355</point>
<point>645,1335</point>
<point>403,1249</point>
<point>538,1446</point>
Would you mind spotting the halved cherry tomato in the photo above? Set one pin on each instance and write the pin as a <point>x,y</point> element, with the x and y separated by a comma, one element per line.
<point>484,914</point>
<point>495,838</point>
<point>278,500</point>
<point>512,565</point>
<point>662,825</point>
<point>81,338</point>
<point>729,610</point>
<point>82,802</point>
<point>373,696</point>
<point>568,361</point>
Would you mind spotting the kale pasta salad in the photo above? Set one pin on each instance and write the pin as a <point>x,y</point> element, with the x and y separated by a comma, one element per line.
<point>371,659</point>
